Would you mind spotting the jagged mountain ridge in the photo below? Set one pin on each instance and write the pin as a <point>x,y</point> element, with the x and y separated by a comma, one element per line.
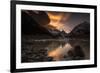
<point>81,30</point>
<point>32,24</point>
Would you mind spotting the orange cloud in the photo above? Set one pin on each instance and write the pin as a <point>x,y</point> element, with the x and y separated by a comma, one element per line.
<point>57,19</point>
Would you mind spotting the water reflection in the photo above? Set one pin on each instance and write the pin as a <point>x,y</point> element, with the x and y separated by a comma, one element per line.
<point>55,50</point>
<point>59,52</point>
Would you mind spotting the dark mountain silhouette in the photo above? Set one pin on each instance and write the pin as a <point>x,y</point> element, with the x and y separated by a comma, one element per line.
<point>35,24</point>
<point>81,30</point>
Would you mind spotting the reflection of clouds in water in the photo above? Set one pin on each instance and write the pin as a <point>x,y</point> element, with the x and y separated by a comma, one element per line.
<point>60,52</point>
<point>40,51</point>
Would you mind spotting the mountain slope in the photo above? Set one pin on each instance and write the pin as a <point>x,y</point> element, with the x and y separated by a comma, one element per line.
<point>81,30</point>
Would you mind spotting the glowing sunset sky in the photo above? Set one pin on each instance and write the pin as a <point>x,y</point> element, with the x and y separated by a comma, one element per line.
<point>67,20</point>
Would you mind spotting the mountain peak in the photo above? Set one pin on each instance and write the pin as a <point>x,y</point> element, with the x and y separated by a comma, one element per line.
<point>81,29</point>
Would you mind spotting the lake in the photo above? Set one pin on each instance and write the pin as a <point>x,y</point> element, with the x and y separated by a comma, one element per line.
<point>45,50</point>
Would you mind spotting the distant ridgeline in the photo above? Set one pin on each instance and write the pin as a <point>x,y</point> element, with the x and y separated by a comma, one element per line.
<point>35,22</point>
<point>81,30</point>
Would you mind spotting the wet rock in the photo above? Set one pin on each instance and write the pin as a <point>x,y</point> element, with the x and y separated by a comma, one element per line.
<point>49,58</point>
<point>78,53</point>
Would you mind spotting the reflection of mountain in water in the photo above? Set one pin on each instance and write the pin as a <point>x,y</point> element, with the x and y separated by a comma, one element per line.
<point>60,52</point>
<point>54,50</point>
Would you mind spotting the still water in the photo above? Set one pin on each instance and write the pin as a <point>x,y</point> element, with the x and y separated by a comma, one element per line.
<point>55,50</point>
